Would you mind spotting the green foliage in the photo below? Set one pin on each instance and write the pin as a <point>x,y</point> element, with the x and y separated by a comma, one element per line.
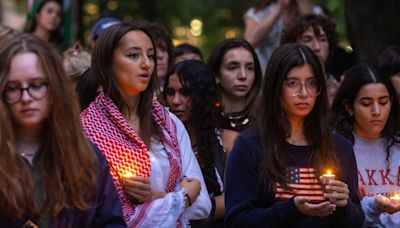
<point>218,16</point>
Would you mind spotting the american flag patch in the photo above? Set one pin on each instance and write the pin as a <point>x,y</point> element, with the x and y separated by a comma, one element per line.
<point>303,181</point>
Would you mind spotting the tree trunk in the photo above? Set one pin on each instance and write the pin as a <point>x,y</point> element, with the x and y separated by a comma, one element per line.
<point>372,26</point>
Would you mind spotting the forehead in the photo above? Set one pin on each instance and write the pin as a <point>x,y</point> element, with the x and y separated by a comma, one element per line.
<point>239,54</point>
<point>301,72</point>
<point>372,90</point>
<point>310,31</point>
<point>25,66</point>
<point>137,39</point>
<point>51,5</point>
<point>174,82</point>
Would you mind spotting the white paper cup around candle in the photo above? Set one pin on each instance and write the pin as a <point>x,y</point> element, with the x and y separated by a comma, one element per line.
<point>327,176</point>
<point>395,197</point>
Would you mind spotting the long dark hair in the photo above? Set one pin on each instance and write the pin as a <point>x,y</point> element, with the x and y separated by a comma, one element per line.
<point>357,77</point>
<point>273,125</point>
<point>219,52</point>
<point>56,36</point>
<point>102,70</point>
<point>67,164</point>
<point>197,79</point>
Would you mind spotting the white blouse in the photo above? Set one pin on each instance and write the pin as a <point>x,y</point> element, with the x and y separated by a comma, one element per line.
<point>165,212</point>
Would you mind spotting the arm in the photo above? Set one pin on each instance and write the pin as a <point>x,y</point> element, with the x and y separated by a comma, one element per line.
<point>371,211</point>
<point>256,31</point>
<point>108,211</point>
<point>201,207</point>
<point>166,211</point>
<point>350,215</point>
<point>243,204</point>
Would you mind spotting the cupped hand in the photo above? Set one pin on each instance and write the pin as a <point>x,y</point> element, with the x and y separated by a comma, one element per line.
<point>337,192</point>
<point>192,187</point>
<point>137,187</point>
<point>314,209</point>
<point>387,205</point>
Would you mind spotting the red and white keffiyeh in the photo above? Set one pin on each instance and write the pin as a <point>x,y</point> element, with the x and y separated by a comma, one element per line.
<point>125,152</point>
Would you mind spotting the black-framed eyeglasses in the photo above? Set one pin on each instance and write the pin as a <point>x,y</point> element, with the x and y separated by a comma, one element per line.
<point>293,87</point>
<point>36,91</point>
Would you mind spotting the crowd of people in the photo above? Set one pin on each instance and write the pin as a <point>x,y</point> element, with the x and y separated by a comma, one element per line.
<point>281,128</point>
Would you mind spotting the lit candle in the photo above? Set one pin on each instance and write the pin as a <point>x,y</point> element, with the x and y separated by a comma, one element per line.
<point>327,176</point>
<point>128,174</point>
<point>396,197</point>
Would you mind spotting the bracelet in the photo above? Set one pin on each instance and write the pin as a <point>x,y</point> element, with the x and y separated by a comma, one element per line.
<point>188,203</point>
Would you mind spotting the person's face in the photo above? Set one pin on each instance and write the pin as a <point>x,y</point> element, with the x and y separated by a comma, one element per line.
<point>187,56</point>
<point>133,62</point>
<point>31,109</point>
<point>178,99</point>
<point>371,109</point>
<point>162,62</point>
<point>396,83</point>
<point>319,44</point>
<point>299,92</point>
<point>236,75</point>
<point>49,17</point>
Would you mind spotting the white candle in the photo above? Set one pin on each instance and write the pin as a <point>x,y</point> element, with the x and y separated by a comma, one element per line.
<point>396,197</point>
<point>327,176</point>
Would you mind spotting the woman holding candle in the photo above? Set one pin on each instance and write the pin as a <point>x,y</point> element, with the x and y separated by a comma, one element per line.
<point>272,175</point>
<point>49,174</point>
<point>190,93</point>
<point>366,111</point>
<point>139,137</point>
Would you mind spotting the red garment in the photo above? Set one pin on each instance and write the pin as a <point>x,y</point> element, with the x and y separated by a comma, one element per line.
<point>105,126</point>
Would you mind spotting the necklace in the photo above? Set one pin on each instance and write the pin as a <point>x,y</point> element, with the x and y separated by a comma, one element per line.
<point>28,155</point>
<point>237,119</point>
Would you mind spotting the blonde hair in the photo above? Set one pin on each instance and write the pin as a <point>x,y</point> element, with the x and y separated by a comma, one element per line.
<point>76,61</point>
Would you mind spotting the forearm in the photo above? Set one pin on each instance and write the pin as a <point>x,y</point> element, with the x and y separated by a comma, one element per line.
<point>219,211</point>
<point>351,215</point>
<point>163,212</point>
<point>281,214</point>
<point>256,32</point>
<point>371,211</point>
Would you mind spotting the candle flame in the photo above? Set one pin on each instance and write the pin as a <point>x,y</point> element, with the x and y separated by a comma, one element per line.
<point>329,172</point>
<point>128,174</point>
<point>395,196</point>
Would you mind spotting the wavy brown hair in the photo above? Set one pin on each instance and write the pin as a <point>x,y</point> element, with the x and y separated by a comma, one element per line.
<point>67,164</point>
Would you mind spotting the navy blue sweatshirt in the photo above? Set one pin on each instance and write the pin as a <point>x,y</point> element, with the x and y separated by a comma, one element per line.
<point>247,205</point>
<point>106,211</point>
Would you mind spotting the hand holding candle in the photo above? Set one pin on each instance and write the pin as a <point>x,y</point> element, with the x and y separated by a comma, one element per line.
<point>327,177</point>
<point>388,204</point>
<point>395,197</point>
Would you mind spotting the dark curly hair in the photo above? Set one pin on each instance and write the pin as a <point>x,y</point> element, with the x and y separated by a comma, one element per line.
<point>300,24</point>
<point>198,80</point>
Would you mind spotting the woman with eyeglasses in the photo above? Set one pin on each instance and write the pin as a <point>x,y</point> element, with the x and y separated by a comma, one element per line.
<point>50,175</point>
<point>366,111</point>
<point>274,172</point>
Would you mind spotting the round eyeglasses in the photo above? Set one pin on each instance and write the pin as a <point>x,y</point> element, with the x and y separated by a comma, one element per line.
<point>36,91</point>
<point>293,87</point>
